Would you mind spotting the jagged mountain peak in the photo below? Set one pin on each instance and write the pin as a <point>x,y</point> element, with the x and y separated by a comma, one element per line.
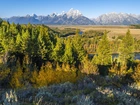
<point>27,15</point>
<point>73,13</point>
<point>53,14</point>
<point>62,13</point>
<point>34,15</point>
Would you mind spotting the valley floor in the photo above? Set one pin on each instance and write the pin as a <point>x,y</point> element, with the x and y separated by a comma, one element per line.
<point>116,30</point>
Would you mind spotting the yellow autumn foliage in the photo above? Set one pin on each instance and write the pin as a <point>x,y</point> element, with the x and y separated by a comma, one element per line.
<point>136,74</point>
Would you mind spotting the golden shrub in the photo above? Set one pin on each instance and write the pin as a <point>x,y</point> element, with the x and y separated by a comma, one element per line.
<point>17,79</point>
<point>89,67</point>
<point>4,73</point>
<point>48,76</point>
<point>136,74</point>
<point>118,71</point>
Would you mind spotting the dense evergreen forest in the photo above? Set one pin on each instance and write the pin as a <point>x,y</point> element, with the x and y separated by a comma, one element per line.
<point>38,55</point>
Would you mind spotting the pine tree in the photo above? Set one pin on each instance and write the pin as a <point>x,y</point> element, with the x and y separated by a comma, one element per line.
<point>103,56</point>
<point>68,52</point>
<point>78,48</point>
<point>42,43</point>
<point>5,37</point>
<point>34,45</point>
<point>126,49</point>
<point>136,75</point>
<point>13,29</point>
<point>18,42</point>
<point>26,46</point>
<point>45,44</point>
<point>25,41</point>
<point>58,51</point>
<point>12,45</point>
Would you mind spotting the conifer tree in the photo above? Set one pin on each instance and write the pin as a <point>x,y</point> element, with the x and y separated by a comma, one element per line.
<point>25,41</point>
<point>68,52</point>
<point>12,45</point>
<point>42,43</point>
<point>126,49</point>
<point>34,42</point>
<point>18,42</point>
<point>58,51</point>
<point>13,30</point>
<point>136,74</point>
<point>78,47</point>
<point>103,56</point>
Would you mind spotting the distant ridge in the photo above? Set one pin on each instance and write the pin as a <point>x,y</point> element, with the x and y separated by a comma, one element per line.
<point>117,19</point>
<point>75,17</point>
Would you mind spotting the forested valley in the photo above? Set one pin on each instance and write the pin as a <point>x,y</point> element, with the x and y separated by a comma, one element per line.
<point>35,56</point>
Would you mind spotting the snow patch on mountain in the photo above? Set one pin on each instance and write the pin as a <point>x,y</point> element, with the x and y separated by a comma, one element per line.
<point>73,13</point>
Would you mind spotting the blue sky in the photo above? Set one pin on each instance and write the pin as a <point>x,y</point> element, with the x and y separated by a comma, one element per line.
<point>89,8</point>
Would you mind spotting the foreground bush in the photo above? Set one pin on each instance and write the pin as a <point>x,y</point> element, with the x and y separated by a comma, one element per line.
<point>136,75</point>
<point>47,75</point>
<point>88,67</point>
<point>19,77</point>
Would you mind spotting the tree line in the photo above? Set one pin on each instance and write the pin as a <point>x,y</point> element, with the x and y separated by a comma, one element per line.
<point>38,55</point>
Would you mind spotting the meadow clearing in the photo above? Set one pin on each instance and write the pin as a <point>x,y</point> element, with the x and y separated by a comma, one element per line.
<point>117,30</point>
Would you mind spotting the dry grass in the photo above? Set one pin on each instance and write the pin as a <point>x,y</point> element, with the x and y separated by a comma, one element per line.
<point>113,30</point>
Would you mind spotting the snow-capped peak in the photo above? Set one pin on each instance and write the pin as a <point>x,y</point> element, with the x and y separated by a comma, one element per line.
<point>63,12</point>
<point>34,15</point>
<point>73,13</point>
<point>27,15</point>
<point>54,14</point>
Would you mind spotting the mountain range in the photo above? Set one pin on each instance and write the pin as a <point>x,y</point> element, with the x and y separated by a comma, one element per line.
<point>75,17</point>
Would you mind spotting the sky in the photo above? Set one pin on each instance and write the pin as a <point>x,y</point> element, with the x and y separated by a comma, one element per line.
<point>89,8</point>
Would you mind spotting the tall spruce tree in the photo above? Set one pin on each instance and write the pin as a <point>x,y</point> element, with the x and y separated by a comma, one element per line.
<point>126,50</point>
<point>42,43</point>
<point>25,41</point>
<point>58,50</point>
<point>103,56</point>
<point>68,52</point>
<point>78,47</point>
<point>18,42</point>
